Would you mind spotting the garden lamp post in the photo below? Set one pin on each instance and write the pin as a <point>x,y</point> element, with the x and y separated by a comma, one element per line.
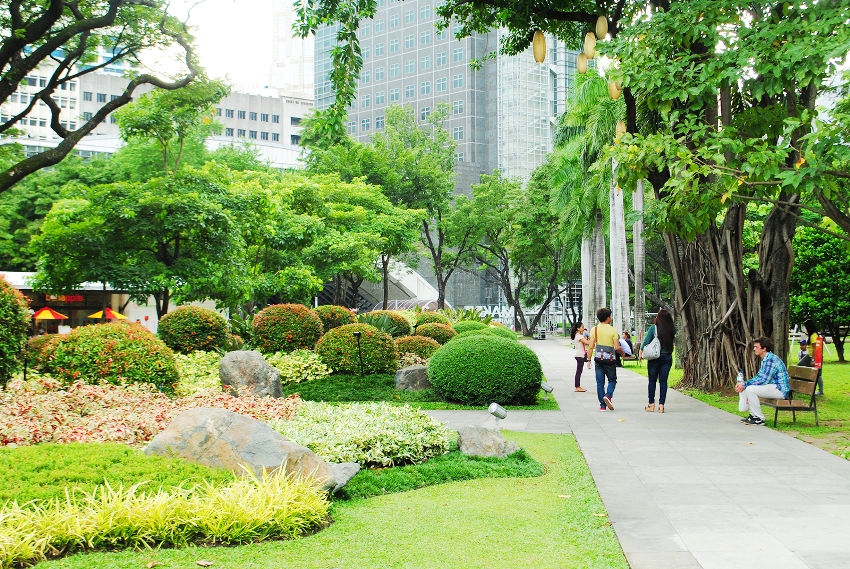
<point>359,351</point>
<point>498,412</point>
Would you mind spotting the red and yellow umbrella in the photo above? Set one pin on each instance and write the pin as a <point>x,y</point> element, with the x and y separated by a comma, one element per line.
<point>47,313</point>
<point>110,315</point>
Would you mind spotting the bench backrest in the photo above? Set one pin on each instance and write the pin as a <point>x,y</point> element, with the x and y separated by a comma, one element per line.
<point>803,380</point>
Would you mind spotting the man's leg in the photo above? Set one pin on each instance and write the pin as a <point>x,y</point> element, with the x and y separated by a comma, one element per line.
<point>611,372</point>
<point>753,393</point>
<point>600,384</point>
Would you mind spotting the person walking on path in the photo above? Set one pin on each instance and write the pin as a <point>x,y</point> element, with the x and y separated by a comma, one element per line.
<point>771,382</point>
<point>659,368</point>
<point>605,343</point>
<point>580,352</point>
<point>812,331</point>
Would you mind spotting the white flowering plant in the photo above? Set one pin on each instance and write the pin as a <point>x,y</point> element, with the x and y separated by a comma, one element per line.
<point>371,434</point>
<point>298,366</point>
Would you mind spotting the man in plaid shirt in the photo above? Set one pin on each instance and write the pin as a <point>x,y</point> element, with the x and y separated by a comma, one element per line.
<point>771,382</point>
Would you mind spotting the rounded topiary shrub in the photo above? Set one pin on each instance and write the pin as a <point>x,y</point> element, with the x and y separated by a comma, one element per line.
<point>286,327</point>
<point>422,346</point>
<point>399,326</point>
<point>428,317</point>
<point>483,369</point>
<point>442,333</point>
<point>333,316</point>
<point>502,332</point>
<point>14,322</point>
<point>338,350</point>
<point>193,328</point>
<point>116,353</point>
<point>467,325</point>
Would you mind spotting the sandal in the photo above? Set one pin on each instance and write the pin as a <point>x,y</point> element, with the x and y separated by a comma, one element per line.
<point>660,408</point>
<point>581,389</point>
<point>650,408</point>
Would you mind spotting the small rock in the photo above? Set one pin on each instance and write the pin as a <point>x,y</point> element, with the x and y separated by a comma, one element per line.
<point>412,378</point>
<point>343,472</point>
<point>248,372</point>
<point>478,441</point>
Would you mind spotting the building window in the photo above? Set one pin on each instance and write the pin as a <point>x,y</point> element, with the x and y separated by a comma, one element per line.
<point>217,112</point>
<point>424,113</point>
<point>456,28</point>
<point>409,66</point>
<point>409,91</point>
<point>441,58</point>
<point>379,49</point>
<point>379,123</point>
<point>367,100</point>
<point>394,70</point>
<point>264,117</point>
<point>295,139</point>
<point>457,107</point>
<point>294,121</point>
<point>112,119</point>
<point>457,80</point>
<point>252,134</point>
<point>379,74</point>
<point>252,116</point>
<point>425,12</point>
<point>240,114</point>
<point>364,125</point>
<point>352,127</point>
<point>228,113</point>
<point>365,76</point>
<point>409,17</point>
<point>457,133</point>
<point>366,29</point>
<point>86,96</point>
<point>240,132</point>
<point>228,132</point>
<point>425,88</point>
<point>394,45</point>
<point>440,35</point>
<point>425,63</point>
<point>275,118</point>
<point>379,98</point>
<point>458,156</point>
<point>425,37</point>
<point>113,97</point>
<point>394,21</point>
<point>264,136</point>
<point>393,95</point>
<point>442,84</point>
<point>275,137</point>
<point>379,27</point>
<point>457,55</point>
<point>101,97</point>
<point>367,52</point>
<point>87,116</point>
<point>409,41</point>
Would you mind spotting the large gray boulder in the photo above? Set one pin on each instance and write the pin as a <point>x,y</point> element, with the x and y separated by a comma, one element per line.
<point>412,378</point>
<point>478,441</point>
<point>248,373</point>
<point>223,439</point>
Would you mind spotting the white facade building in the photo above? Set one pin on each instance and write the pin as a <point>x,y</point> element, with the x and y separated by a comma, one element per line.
<point>292,58</point>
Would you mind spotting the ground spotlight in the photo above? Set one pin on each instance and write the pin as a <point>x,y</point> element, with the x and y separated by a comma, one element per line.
<point>498,412</point>
<point>546,387</point>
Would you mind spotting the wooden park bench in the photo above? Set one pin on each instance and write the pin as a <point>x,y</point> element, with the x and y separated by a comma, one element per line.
<point>803,383</point>
<point>625,359</point>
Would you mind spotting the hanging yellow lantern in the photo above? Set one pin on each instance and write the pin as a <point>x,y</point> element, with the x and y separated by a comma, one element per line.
<point>539,46</point>
<point>590,45</point>
<point>601,27</point>
<point>581,63</point>
<point>620,129</point>
<point>613,92</point>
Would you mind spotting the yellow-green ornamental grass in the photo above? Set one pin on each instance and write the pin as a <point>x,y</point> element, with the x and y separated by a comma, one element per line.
<point>246,510</point>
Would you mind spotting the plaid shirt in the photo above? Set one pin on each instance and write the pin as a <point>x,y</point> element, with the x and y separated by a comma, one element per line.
<point>772,371</point>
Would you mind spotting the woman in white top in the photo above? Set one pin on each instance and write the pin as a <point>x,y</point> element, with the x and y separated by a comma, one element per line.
<point>580,352</point>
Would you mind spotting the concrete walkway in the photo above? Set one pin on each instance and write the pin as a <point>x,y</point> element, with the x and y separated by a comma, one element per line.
<point>694,487</point>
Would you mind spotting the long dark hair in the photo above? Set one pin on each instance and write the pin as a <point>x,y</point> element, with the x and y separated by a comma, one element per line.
<point>665,329</point>
<point>811,327</point>
<point>574,329</point>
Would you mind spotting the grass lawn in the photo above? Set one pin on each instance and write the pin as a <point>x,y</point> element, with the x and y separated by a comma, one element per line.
<point>832,435</point>
<point>381,387</point>
<point>553,521</point>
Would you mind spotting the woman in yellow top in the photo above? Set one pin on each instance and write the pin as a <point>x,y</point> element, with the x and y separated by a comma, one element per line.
<point>812,331</point>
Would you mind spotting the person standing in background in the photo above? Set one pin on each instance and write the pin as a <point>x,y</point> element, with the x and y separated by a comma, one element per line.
<point>812,332</point>
<point>659,368</point>
<point>580,352</point>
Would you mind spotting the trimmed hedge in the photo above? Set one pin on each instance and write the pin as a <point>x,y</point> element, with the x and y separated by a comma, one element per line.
<point>467,325</point>
<point>428,317</point>
<point>117,353</point>
<point>333,316</point>
<point>40,349</point>
<point>338,349</point>
<point>14,323</point>
<point>503,332</point>
<point>192,328</point>
<point>286,327</point>
<point>442,333</point>
<point>422,346</point>
<point>488,331</point>
<point>401,327</point>
<point>483,369</point>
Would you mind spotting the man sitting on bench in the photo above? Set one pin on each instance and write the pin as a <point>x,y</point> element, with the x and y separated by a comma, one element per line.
<point>771,382</point>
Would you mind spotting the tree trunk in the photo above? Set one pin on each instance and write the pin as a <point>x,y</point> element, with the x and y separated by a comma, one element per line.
<point>599,265</point>
<point>162,298</point>
<point>385,264</point>
<point>640,261</point>
<point>619,257</point>
<point>588,280</point>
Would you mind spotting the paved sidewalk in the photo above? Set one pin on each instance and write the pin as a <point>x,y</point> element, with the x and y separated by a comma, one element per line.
<point>694,487</point>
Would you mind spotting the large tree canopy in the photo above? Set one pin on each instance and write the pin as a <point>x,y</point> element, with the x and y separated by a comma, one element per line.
<point>65,39</point>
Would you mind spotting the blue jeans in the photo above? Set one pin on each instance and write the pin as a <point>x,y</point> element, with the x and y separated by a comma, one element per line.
<point>658,370</point>
<point>603,371</point>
